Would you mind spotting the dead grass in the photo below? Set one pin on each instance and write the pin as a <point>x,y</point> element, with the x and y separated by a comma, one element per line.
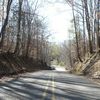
<point>11,64</point>
<point>89,66</point>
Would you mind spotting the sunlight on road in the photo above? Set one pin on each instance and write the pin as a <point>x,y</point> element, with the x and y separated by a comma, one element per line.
<point>60,69</point>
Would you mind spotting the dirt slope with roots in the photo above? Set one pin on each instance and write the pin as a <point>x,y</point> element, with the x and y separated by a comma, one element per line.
<point>11,64</point>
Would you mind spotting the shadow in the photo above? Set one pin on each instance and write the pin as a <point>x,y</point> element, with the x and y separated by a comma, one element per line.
<point>76,80</point>
<point>32,87</point>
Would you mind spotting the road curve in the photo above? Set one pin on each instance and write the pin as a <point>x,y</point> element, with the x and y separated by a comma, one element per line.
<point>49,85</point>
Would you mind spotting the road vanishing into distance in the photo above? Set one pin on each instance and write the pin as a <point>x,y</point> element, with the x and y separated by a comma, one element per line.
<point>49,85</point>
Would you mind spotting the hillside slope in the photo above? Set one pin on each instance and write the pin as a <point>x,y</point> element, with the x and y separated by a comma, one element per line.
<point>11,64</point>
<point>90,67</point>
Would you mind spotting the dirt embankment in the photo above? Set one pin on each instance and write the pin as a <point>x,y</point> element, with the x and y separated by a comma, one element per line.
<point>90,67</point>
<point>11,64</point>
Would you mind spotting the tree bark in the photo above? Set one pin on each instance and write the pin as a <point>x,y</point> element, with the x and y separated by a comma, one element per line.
<point>17,48</point>
<point>88,26</point>
<point>3,29</point>
<point>77,44</point>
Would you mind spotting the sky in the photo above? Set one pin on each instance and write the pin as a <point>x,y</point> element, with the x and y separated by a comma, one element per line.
<point>58,17</point>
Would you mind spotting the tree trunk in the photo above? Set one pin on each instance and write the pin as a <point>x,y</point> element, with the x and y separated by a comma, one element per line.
<point>17,48</point>
<point>3,29</point>
<point>98,31</point>
<point>88,26</point>
<point>78,54</point>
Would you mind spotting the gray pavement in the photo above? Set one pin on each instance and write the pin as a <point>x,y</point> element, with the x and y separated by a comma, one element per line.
<point>49,85</point>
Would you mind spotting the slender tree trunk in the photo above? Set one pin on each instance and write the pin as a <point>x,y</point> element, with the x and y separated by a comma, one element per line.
<point>17,48</point>
<point>88,26</point>
<point>78,54</point>
<point>3,29</point>
<point>98,31</point>
<point>84,33</point>
<point>3,4</point>
<point>37,46</point>
<point>29,37</point>
<point>23,35</point>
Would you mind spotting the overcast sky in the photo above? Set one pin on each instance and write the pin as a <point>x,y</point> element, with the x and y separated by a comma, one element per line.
<point>58,16</point>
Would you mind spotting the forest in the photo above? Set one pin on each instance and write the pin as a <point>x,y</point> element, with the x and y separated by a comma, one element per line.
<point>24,36</point>
<point>81,53</point>
<point>33,66</point>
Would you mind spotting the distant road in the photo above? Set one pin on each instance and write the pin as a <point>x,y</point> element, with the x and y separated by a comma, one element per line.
<point>60,69</point>
<point>49,85</point>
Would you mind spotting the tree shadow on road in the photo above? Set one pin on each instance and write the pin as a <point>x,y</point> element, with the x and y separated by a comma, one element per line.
<point>32,88</point>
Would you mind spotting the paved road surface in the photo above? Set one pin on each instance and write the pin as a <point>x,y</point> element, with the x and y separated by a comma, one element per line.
<point>49,85</point>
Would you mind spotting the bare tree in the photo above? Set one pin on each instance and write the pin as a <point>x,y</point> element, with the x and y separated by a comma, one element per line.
<point>3,29</point>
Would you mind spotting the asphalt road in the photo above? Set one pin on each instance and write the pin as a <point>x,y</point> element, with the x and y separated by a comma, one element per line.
<point>49,85</point>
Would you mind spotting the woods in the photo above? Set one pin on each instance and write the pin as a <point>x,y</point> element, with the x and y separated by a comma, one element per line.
<point>85,29</point>
<point>23,37</point>
<point>49,49</point>
<point>23,31</point>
